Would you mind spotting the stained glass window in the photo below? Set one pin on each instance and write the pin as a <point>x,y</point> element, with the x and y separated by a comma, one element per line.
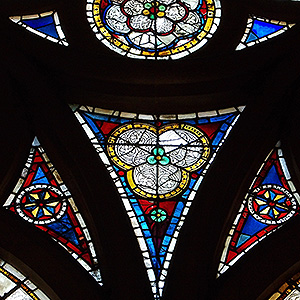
<point>157,163</point>
<point>270,202</point>
<point>15,286</point>
<point>41,198</point>
<point>154,29</point>
<point>45,25</point>
<point>261,29</point>
<point>290,290</point>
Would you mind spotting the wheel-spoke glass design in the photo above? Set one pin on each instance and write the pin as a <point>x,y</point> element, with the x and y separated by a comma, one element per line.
<point>260,30</point>
<point>41,198</point>
<point>154,29</point>
<point>290,290</point>
<point>270,202</point>
<point>45,25</point>
<point>157,163</point>
<point>15,286</point>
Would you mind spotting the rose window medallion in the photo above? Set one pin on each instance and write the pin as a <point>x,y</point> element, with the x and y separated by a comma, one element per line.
<point>158,160</point>
<point>271,204</point>
<point>154,29</point>
<point>41,204</point>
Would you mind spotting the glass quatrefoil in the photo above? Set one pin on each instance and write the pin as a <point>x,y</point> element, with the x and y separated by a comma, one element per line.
<point>158,160</point>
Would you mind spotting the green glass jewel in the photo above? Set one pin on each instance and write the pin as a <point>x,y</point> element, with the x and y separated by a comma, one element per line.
<point>151,160</point>
<point>164,160</point>
<point>162,8</point>
<point>158,215</point>
<point>148,5</point>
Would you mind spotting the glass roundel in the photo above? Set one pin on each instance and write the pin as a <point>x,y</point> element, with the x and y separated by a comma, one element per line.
<point>271,204</point>
<point>157,29</point>
<point>158,161</point>
<point>41,204</point>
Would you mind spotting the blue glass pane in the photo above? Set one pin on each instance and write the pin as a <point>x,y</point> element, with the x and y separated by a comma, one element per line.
<point>252,226</point>
<point>242,239</point>
<point>262,29</point>
<point>40,22</point>
<point>50,30</point>
<point>40,177</point>
<point>251,37</point>
<point>272,177</point>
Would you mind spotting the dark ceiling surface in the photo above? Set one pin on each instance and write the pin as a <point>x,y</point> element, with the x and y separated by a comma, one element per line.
<point>40,78</point>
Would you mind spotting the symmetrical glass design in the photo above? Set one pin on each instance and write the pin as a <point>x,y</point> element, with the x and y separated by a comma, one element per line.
<point>157,163</point>
<point>270,202</point>
<point>261,29</point>
<point>41,198</point>
<point>154,29</point>
<point>290,290</point>
<point>46,25</point>
<point>15,286</point>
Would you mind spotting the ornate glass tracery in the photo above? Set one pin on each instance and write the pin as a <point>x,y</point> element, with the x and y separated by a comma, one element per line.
<point>41,198</point>
<point>157,163</point>
<point>154,29</point>
<point>271,201</point>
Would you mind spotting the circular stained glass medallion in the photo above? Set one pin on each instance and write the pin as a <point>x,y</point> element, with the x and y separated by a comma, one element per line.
<point>158,160</point>
<point>158,29</point>
<point>41,204</point>
<point>158,215</point>
<point>271,204</point>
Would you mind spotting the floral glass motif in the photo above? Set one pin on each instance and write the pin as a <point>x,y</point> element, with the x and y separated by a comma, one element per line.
<point>41,198</point>
<point>158,29</point>
<point>157,163</point>
<point>270,202</point>
<point>15,286</point>
<point>45,25</point>
<point>260,30</point>
<point>290,290</point>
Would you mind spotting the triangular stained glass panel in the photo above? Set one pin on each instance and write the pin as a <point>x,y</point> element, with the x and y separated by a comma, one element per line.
<point>157,164</point>
<point>46,25</point>
<point>41,198</point>
<point>270,202</point>
<point>261,29</point>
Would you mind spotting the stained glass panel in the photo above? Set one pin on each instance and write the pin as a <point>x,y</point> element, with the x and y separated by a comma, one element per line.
<point>15,286</point>
<point>45,25</point>
<point>154,29</point>
<point>261,29</point>
<point>157,163</point>
<point>41,198</point>
<point>290,290</point>
<point>270,202</point>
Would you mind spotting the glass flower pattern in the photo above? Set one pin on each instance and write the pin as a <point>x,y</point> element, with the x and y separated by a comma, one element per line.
<point>41,204</point>
<point>158,160</point>
<point>158,28</point>
<point>158,215</point>
<point>272,204</point>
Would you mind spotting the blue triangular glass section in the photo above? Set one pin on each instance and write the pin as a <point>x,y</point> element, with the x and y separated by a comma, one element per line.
<point>39,22</point>
<point>262,29</point>
<point>50,30</point>
<point>40,177</point>
<point>64,228</point>
<point>251,37</point>
<point>252,226</point>
<point>242,239</point>
<point>272,177</point>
